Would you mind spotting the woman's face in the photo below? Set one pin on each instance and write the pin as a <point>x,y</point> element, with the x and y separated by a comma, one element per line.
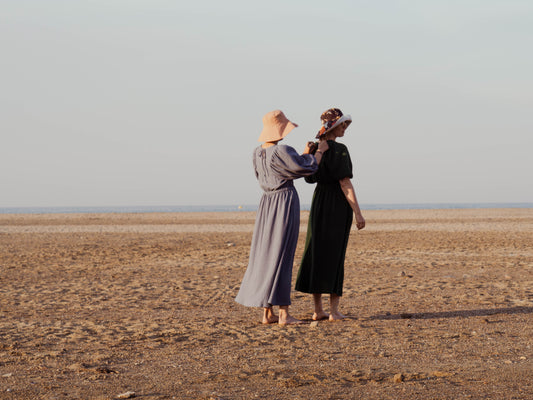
<point>339,130</point>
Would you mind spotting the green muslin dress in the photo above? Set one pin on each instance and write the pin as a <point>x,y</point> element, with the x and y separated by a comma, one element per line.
<point>328,229</point>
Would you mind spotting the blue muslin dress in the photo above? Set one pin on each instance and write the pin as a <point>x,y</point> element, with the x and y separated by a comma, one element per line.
<point>267,280</point>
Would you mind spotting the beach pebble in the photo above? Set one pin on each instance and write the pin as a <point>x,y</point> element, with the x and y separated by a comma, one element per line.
<point>402,273</point>
<point>126,395</point>
<point>398,378</point>
<point>313,324</point>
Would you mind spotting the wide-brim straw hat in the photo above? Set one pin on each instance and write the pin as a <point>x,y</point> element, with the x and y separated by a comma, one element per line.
<point>275,126</point>
<point>332,118</point>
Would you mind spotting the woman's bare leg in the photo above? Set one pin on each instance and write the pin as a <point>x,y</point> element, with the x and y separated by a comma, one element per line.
<point>268,316</point>
<point>285,318</point>
<point>319,311</point>
<point>334,313</point>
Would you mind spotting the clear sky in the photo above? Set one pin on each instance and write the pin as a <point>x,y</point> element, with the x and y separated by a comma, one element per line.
<point>160,102</point>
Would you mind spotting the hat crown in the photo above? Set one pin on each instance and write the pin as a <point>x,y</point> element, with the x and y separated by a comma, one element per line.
<point>275,118</point>
<point>275,126</point>
<point>331,115</point>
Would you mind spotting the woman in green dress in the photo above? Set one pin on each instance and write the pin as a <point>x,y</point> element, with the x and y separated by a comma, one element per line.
<point>330,219</point>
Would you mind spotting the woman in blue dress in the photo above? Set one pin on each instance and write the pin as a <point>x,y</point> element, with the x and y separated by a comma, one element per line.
<point>267,280</point>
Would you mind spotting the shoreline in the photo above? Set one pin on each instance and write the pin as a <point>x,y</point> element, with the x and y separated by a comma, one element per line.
<point>377,220</point>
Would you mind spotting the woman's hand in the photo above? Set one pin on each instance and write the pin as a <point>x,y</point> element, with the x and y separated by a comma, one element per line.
<point>310,148</point>
<point>359,221</point>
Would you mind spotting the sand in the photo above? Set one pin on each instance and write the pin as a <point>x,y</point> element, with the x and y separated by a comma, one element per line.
<point>101,306</point>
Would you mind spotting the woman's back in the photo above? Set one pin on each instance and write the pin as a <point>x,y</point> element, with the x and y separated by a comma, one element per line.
<point>276,166</point>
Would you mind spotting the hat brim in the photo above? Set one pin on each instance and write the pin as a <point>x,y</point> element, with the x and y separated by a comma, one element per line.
<point>344,118</point>
<point>273,134</point>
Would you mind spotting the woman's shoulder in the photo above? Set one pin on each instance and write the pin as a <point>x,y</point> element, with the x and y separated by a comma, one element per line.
<point>338,147</point>
<point>284,149</point>
<point>258,151</point>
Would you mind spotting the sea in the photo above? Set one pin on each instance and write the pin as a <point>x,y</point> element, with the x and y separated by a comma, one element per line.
<point>226,208</point>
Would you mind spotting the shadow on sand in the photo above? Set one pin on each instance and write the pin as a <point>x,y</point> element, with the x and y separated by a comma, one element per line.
<point>456,314</point>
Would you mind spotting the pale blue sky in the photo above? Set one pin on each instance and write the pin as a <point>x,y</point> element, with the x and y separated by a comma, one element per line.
<point>125,102</point>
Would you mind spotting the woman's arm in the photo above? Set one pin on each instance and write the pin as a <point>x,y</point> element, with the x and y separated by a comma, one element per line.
<point>349,193</point>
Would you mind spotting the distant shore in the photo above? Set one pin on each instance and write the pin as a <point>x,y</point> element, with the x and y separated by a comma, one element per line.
<point>242,208</point>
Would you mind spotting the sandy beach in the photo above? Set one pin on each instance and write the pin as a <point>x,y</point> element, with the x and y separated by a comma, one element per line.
<point>104,306</point>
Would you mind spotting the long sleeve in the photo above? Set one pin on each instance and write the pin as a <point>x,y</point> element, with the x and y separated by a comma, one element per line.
<point>291,165</point>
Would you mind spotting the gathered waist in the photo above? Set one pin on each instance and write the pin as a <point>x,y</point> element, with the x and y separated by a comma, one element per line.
<point>328,184</point>
<point>285,187</point>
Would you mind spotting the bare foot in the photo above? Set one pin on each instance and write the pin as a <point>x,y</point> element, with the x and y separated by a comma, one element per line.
<point>320,316</point>
<point>271,319</point>
<point>268,316</point>
<point>289,321</point>
<point>336,316</point>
